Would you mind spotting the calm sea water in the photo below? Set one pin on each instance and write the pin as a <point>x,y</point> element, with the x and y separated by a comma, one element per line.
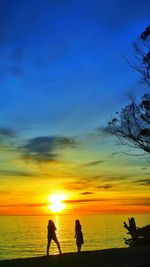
<point>26,236</point>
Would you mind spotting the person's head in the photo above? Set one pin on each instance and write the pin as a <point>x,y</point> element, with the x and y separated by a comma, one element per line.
<point>77,222</point>
<point>50,222</point>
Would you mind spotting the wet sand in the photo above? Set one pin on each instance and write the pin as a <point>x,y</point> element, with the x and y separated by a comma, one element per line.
<point>117,257</point>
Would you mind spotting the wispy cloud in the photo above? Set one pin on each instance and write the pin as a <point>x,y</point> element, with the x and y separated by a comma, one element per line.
<point>6,133</point>
<point>107,186</point>
<point>23,205</point>
<point>77,185</point>
<point>16,173</point>
<point>87,193</point>
<point>142,182</point>
<point>93,163</point>
<point>41,157</point>
<point>68,201</point>
<point>138,202</point>
<point>85,200</point>
<point>104,177</point>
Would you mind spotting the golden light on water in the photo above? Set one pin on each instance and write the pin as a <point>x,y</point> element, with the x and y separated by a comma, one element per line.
<point>56,204</point>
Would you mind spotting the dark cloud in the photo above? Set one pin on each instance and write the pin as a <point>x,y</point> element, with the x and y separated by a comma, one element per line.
<point>43,148</point>
<point>7,133</point>
<point>87,193</point>
<point>107,186</point>
<point>45,144</point>
<point>15,173</point>
<point>93,163</point>
<point>142,182</point>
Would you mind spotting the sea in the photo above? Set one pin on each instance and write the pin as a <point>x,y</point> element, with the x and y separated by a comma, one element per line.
<point>26,236</point>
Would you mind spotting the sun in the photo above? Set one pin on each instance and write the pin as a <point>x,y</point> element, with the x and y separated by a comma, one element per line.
<point>56,202</point>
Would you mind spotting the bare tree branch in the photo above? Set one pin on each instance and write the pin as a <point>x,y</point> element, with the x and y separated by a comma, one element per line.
<point>132,124</point>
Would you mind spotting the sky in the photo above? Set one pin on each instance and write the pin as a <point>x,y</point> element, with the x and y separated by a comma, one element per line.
<point>63,75</point>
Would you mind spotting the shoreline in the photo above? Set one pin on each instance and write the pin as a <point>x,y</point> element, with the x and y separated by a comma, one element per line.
<point>117,257</point>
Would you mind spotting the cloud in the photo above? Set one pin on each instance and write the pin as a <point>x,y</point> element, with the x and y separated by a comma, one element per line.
<point>107,186</point>
<point>113,154</point>
<point>77,185</point>
<point>139,202</point>
<point>142,182</point>
<point>44,144</point>
<point>44,148</point>
<point>87,193</point>
<point>7,139</point>
<point>118,177</point>
<point>40,157</point>
<point>96,177</point>
<point>93,163</point>
<point>6,133</point>
<point>15,173</point>
<point>85,200</point>
<point>23,205</point>
<point>108,177</point>
<point>45,204</point>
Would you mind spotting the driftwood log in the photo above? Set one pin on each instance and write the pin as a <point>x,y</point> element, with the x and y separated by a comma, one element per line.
<point>139,236</point>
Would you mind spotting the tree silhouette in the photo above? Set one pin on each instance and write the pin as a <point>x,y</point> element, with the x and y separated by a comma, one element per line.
<point>141,61</point>
<point>132,124</point>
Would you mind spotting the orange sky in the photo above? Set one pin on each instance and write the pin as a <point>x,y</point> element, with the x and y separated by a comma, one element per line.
<point>102,185</point>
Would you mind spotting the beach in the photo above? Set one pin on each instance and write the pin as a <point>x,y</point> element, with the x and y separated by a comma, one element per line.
<point>116,257</point>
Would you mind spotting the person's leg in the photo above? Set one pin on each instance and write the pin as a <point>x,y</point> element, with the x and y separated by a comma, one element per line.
<point>79,247</point>
<point>48,245</point>
<point>57,243</point>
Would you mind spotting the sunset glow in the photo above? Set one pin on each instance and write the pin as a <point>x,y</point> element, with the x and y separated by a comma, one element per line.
<point>56,203</point>
<point>63,77</point>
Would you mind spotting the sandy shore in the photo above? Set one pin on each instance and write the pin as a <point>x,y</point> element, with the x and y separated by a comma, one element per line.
<point>119,257</point>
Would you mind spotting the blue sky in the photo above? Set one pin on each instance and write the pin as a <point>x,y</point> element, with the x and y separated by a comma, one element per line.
<point>63,74</point>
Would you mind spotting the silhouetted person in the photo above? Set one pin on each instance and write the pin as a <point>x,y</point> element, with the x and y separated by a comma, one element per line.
<point>51,235</point>
<point>78,235</point>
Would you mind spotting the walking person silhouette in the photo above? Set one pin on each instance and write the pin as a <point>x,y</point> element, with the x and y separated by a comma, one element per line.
<point>78,235</point>
<point>51,235</point>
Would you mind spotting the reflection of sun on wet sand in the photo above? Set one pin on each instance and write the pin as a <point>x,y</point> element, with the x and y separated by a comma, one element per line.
<point>119,257</point>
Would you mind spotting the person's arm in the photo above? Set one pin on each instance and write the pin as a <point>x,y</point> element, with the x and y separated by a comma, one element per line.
<point>75,234</point>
